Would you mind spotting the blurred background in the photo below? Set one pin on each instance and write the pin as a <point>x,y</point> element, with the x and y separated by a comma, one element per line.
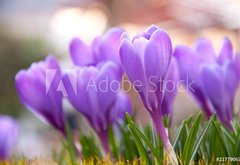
<point>32,29</point>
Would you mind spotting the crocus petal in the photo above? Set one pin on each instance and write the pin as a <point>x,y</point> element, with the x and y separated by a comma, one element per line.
<point>45,102</point>
<point>31,91</point>
<point>237,63</point>
<point>157,55</point>
<point>231,79</point>
<point>188,63</point>
<point>226,51</point>
<point>108,84</point>
<point>132,63</point>
<point>109,46</point>
<point>171,88</point>
<point>133,66</point>
<point>151,29</point>
<point>205,49</point>
<point>8,136</point>
<point>122,105</point>
<point>147,33</point>
<point>81,52</point>
<point>213,86</point>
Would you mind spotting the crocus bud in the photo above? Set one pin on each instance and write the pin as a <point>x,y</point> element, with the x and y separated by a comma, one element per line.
<point>98,97</point>
<point>103,48</point>
<point>146,61</point>
<point>215,77</point>
<point>37,88</point>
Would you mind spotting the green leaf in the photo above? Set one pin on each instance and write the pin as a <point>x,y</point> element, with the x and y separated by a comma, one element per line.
<point>178,134</point>
<point>145,139</point>
<point>70,144</point>
<point>222,138</point>
<point>112,143</point>
<point>142,151</point>
<point>188,147</point>
<point>89,147</point>
<point>200,139</point>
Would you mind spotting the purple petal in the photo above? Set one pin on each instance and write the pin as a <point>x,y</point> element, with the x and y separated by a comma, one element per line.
<point>189,64</point>
<point>45,102</point>
<point>157,55</point>
<point>109,45</point>
<point>213,86</point>
<point>226,51</point>
<point>133,66</point>
<point>81,53</point>
<point>237,63</point>
<point>122,105</point>
<point>77,81</point>
<point>8,136</point>
<point>171,88</point>
<point>108,84</point>
<point>231,79</point>
<point>147,33</point>
<point>151,29</point>
<point>132,63</point>
<point>205,49</point>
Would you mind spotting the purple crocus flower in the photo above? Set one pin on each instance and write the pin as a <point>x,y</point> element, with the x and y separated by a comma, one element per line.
<point>38,90</point>
<point>215,77</point>
<point>97,96</point>
<point>8,136</point>
<point>102,49</point>
<point>146,60</point>
<point>171,86</point>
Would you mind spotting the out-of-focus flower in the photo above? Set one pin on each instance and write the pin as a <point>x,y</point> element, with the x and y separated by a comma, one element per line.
<point>146,61</point>
<point>102,49</point>
<point>98,97</point>
<point>215,77</point>
<point>38,90</point>
<point>8,136</point>
<point>171,87</point>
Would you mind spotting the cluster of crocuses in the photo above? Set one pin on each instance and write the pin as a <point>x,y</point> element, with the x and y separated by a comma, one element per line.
<point>149,63</point>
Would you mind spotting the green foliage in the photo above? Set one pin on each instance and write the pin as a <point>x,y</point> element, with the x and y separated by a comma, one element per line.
<point>195,141</point>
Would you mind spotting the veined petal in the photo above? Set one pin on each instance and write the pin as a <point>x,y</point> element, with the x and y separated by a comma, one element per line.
<point>157,55</point>
<point>31,91</point>
<point>39,94</point>
<point>132,64</point>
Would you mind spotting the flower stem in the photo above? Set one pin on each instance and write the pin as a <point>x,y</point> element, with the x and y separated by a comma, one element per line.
<point>159,127</point>
<point>103,136</point>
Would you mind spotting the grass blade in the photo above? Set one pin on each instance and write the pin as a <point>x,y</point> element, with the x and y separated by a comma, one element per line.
<point>200,138</point>
<point>187,150</point>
